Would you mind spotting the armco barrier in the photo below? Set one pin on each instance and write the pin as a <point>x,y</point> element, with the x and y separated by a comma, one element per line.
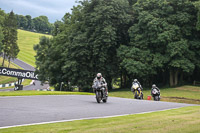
<point>10,84</point>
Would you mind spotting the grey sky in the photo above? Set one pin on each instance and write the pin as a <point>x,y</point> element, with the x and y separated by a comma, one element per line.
<point>53,9</point>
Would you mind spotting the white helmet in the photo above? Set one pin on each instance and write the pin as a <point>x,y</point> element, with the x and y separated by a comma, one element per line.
<point>99,75</point>
<point>153,86</point>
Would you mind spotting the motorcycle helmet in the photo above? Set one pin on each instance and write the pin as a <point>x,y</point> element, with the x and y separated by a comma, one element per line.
<point>153,86</point>
<point>99,75</point>
<point>135,80</point>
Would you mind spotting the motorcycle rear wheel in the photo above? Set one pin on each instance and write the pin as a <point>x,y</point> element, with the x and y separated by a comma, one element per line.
<point>136,95</point>
<point>141,97</point>
<point>105,100</point>
<point>156,98</point>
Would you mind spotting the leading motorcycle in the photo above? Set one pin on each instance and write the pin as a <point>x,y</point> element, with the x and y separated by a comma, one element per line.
<point>137,91</point>
<point>100,92</point>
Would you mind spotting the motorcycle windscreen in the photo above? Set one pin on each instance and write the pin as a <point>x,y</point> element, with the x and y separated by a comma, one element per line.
<point>135,86</point>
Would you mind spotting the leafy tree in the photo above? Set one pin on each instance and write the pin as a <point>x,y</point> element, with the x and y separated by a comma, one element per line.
<point>30,24</point>
<point>41,57</point>
<point>85,43</point>
<point>160,40</point>
<point>2,17</point>
<point>57,29</point>
<point>1,38</point>
<point>132,2</point>
<point>98,31</point>
<point>195,44</point>
<point>155,41</point>
<point>49,58</point>
<point>42,24</point>
<point>22,21</point>
<point>11,48</point>
<point>39,24</point>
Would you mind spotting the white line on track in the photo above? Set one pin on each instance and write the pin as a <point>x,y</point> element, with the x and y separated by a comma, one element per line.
<point>89,118</point>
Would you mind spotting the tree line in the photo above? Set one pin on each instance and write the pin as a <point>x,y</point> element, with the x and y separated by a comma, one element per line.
<point>8,36</point>
<point>39,24</point>
<point>155,41</point>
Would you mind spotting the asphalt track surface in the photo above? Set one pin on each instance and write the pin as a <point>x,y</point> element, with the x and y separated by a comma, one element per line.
<point>31,110</point>
<point>26,66</point>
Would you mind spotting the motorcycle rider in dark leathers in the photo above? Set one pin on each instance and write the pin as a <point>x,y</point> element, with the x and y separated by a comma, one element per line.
<point>136,81</point>
<point>102,80</point>
<point>154,87</point>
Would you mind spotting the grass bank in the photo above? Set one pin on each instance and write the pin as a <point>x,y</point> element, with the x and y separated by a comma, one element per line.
<point>182,120</point>
<point>31,93</point>
<point>183,94</point>
<point>26,41</point>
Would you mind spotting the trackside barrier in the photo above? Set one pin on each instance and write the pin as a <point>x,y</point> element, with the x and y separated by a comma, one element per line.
<point>196,82</point>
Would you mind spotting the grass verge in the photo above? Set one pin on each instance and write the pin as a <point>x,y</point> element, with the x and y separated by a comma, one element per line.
<point>183,94</point>
<point>182,120</point>
<point>31,93</point>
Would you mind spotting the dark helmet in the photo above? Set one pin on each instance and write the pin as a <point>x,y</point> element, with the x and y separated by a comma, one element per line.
<point>153,86</point>
<point>99,75</point>
<point>135,80</point>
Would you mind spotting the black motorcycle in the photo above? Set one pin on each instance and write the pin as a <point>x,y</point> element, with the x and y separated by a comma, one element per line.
<point>155,94</point>
<point>100,92</point>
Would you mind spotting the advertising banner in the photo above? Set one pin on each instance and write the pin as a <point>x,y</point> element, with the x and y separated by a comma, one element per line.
<point>26,74</point>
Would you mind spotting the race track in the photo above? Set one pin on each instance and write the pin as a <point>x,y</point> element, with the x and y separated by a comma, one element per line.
<point>23,110</point>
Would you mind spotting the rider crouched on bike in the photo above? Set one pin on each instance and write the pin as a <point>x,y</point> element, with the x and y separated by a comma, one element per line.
<point>154,87</point>
<point>101,80</point>
<point>136,81</point>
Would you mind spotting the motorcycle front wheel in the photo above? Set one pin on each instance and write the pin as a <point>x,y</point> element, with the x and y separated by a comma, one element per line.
<point>98,96</point>
<point>136,95</point>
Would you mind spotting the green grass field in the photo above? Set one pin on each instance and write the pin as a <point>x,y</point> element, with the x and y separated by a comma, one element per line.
<point>26,41</point>
<point>182,120</point>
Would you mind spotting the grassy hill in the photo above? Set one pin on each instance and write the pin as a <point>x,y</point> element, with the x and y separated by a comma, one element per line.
<point>26,41</point>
